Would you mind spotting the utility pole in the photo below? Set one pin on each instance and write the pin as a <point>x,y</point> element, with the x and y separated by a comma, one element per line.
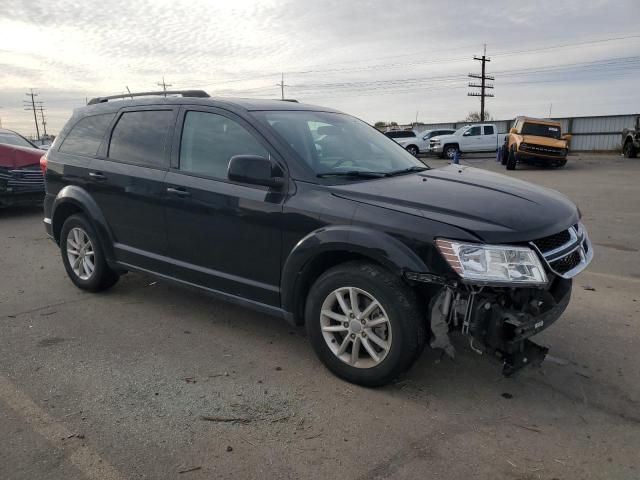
<point>31,105</point>
<point>483,77</point>
<point>44,122</point>
<point>282,85</point>
<point>164,86</point>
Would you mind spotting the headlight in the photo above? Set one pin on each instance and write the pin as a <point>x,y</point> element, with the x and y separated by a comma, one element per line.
<point>493,263</point>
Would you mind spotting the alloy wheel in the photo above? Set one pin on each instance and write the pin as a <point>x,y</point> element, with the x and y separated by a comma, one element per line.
<point>355,327</point>
<point>80,253</point>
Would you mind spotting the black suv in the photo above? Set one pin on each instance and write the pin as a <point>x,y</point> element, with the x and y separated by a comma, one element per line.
<point>312,215</point>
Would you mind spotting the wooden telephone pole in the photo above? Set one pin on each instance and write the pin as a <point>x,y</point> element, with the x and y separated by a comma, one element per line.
<point>483,86</point>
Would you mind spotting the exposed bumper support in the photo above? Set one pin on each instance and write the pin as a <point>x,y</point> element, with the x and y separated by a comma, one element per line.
<point>499,321</point>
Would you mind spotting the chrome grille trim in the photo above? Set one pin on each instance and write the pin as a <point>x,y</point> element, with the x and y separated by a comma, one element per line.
<point>579,242</point>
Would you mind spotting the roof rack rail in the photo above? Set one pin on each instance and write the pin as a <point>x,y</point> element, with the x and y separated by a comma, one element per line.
<point>162,93</point>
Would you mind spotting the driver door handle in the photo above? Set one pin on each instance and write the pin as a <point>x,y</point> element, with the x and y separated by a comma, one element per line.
<point>180,192</point>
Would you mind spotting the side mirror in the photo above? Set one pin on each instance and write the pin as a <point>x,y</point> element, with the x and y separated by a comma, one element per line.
<point>513,130</point>
<point>255,170</point>
<point>466,134</point>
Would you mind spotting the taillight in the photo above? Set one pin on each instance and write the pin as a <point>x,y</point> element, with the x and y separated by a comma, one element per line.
<point>43,164</point>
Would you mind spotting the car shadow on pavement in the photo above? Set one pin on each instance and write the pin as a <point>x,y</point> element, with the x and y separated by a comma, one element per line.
<point>20,211</point>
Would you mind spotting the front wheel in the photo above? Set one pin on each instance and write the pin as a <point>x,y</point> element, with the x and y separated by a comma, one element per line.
<point>413,150</point>
<point>511,160</point>
<point>504,155</point>
<point>83,257</point>
<point>629,150</point>
<point>450,151</point>
<point>364,323</point>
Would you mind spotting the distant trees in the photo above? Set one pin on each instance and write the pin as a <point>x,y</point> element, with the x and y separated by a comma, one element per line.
<point>385,124</point>
<point>475,117</point>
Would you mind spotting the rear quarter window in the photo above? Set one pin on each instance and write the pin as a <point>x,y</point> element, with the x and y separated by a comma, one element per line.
<point>140,137</point>
<point>86,135</point>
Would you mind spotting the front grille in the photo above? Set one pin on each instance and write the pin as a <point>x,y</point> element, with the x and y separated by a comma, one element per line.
<point>554,151</point>
<point>567,263</point>
<point>553,241</point>
<point>22,179</point>
<point>566,253</point>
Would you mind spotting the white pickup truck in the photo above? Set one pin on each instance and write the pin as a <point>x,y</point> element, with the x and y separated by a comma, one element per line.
<point>482,137</point>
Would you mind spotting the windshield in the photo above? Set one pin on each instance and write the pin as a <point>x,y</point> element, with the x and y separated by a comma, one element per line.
<point>13,139</point>
<point>541,130</point>
<point>338,144</point>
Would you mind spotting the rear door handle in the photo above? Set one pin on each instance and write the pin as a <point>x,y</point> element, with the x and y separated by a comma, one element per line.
<point>97,175</point>
<point>180,192</point>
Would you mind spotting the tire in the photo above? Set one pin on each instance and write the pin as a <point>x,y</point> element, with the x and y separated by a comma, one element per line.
<point>79,236</point>
<point>630,150</point>
<point>413,150</point>
<point>504,155</point>
<point>449,151</point>
<point>398,323</point>
<point>511,160</point>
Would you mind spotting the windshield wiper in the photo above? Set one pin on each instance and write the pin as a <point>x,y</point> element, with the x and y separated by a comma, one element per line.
<point>407,170</point>
<point>353,173</point>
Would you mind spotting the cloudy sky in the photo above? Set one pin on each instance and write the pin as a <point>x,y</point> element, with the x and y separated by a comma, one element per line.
<point>379,60</point>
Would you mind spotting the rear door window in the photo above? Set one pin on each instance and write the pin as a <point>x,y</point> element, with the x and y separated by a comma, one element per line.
<point>140,138</point>
<point>488,130</point>
<point>86,135</point>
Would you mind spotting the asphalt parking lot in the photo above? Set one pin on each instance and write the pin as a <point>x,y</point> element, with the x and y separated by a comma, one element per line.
<point>134,382</point>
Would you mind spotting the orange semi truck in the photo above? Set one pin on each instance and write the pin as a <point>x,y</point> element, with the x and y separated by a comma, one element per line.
<point>535,141</point>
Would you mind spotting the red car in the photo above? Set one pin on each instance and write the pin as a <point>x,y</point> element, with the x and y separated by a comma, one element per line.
<point>21,180</point>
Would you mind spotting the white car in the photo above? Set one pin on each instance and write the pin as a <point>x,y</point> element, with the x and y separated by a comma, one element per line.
<point>416,143</point>
<point>468,139</point>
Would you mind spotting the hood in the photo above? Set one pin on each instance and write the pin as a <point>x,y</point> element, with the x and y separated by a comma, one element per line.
<point>444,138</point>
<point>12,156</point>
<point>493,207</point>
<point>544,141</point>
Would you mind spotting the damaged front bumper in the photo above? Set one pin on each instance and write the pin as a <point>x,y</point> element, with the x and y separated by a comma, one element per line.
<point>498,320</point>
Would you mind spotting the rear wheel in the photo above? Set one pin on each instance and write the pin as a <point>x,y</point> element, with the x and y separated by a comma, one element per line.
<point>364,323</point>
<point>83,256</point>
<point>511,160</point>
<point>629,150</point>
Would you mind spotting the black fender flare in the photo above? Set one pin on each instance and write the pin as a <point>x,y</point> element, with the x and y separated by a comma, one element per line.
<point>378,246</point>
<point>81,199</point>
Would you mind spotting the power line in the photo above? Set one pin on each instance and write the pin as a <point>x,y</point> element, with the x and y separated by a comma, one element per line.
<point>318,69</point>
